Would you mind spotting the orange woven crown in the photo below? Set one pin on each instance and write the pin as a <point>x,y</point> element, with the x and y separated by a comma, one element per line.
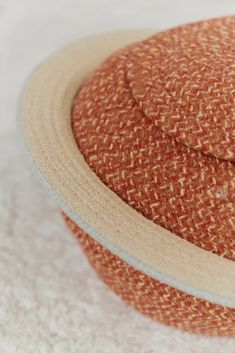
<point>135,117</point>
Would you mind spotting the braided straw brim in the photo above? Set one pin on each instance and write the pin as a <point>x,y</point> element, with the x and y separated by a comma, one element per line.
<point>45,121</point>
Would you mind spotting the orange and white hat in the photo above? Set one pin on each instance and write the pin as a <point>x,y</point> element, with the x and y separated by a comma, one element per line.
<point>133,133</point>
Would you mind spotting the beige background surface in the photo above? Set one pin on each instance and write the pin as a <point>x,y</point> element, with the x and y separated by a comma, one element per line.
<point>50,299</point>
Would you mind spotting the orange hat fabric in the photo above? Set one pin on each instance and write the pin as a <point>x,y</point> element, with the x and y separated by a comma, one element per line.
<point>156,123</point>
<point>135,117</point>
<point>134,138</point>
<point>152,297</point>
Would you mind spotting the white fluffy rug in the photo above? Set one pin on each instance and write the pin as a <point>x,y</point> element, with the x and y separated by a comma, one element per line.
<point>50,299</point>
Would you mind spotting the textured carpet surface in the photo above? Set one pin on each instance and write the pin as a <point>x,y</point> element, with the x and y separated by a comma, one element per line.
<point>51,301</point>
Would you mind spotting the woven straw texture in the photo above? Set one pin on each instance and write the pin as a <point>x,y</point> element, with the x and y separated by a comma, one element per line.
<point>45,121</point>
<point>156,122</point>
<point>136,116</point>
<point>153,298</point>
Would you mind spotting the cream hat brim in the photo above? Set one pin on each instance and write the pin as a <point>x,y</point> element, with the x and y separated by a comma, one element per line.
<point>45,109</point>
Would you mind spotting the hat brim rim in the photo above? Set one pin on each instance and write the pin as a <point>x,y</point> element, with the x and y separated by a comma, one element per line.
<point>45,107</point>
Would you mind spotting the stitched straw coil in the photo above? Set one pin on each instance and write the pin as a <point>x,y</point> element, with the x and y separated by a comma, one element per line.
<point>130,114</point>
<point>148,188</point>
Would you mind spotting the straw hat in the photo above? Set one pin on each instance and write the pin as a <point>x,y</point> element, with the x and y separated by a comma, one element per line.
<point>133,134</point>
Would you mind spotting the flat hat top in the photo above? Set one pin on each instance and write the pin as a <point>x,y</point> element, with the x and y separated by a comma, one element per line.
<point>135,152</point>
<point>184,80</point>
